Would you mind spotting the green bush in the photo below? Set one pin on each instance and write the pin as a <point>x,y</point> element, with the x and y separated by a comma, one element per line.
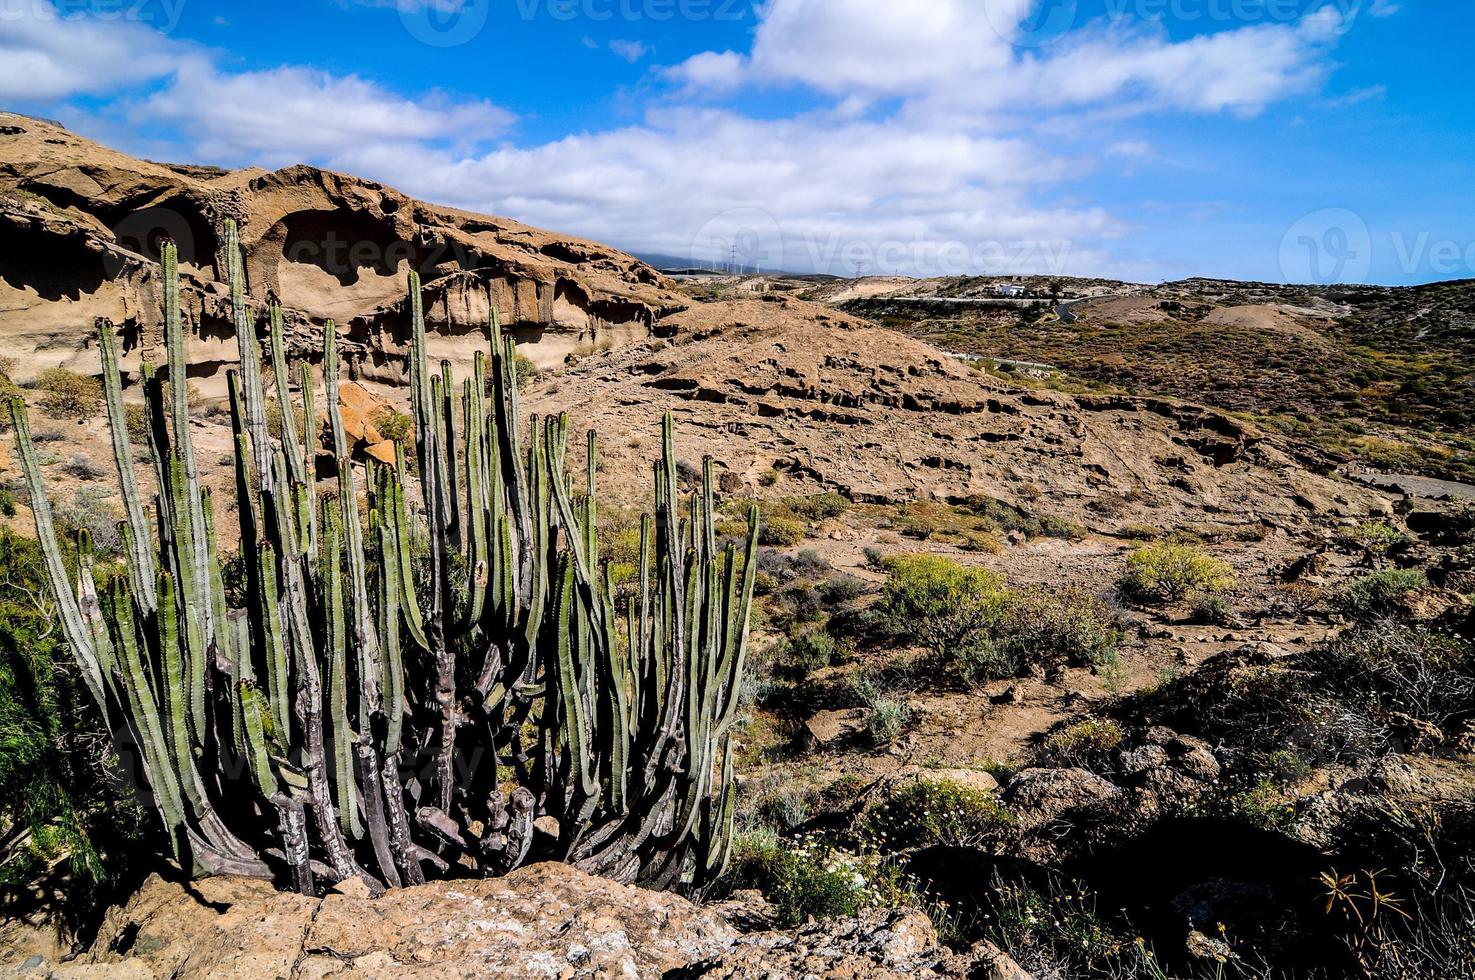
<point>887,714</point>
<point>1212,610</point>
<point>8,390</point>
<point>808,879</point>
<point>1378,594</point>
<point>136,420</point>
<point>1054,625</point>
<point>809,649</point>
<point>7,502</point>
<point>275,418</point>
<point>940,604</point>
<point>1086,744</point>
<point>52,746</point>
<point>930,813</point>
<point>69,395</point>
<point>818,507</point>
<point>1172,573</point>
<point>781,532</point>
<point>394,425</point>
<point>524,370</point>
<point>1374,539</point>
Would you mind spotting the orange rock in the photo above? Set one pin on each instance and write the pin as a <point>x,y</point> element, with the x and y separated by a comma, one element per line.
<point>383,451</point>
<point>359,407</point>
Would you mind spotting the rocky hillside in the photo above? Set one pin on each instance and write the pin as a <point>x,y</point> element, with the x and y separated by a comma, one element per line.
<point>766,386</point>
<point>1375,374</point>
<point>786,388</point>
<point>547,920</point>
<point>80,227</point>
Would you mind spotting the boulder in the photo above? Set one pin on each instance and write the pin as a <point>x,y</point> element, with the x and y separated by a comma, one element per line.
<point>546,920</point>
<point>1041,795</point>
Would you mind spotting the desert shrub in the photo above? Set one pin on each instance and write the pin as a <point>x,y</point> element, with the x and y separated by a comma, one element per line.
<point>1298,598</point>
<point>875,557</point>
<point>1057,932</point>
<point>276,418</point>
<point>888,714</point>
<point>91,508</point>
<point>523,370</point>
<point>394,425</point>
<point>1378,594</point>
<point>68,394</point>
<point>136,420</point>
<point>818,507</point>
<point>781,532</point>
<point>82,467</point>
<point>1053,625</point>
<point>1087,744</point>
<point>1376,540</point>
<point>1141,532</point>
<point>53,781</point>
<point>937,812</point>
<point>7,502</point>
<point>1212,610</point>
<point>809,879</point>
<point>1263,805</point>
<point>940,604</point>
<point>999,516</point>
<point>8,390</point>
<point>981,660</point>
<point>809,649</point>
<point>785,805</point>
<point>1173,573</point>
<point>843,589</point>
<point>1390,667</point>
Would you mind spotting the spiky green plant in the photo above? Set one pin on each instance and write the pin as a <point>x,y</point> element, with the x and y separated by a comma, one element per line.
<point>408,688</point>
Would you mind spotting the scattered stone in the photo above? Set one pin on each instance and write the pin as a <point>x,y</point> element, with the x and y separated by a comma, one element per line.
<point>1144,757</point>
<point>1002,692</point>
<point>830,727</point>
<point>975,779</point>
<point>546,920</point>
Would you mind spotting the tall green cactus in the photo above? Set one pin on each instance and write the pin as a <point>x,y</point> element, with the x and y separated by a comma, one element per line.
<point>418,673</point>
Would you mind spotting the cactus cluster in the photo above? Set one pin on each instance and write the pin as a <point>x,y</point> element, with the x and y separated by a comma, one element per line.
<point>414,680</point>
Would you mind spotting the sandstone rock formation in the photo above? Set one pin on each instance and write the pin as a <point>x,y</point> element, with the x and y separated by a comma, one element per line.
<point>80,227</point>
<point>832,402</point>
<point>771,387</point>
<point>546,920</point>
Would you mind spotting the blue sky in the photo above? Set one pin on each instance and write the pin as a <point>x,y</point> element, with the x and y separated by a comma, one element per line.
<point>1301,140</point>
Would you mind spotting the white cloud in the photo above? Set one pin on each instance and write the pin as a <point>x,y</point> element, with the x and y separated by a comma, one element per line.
<point>810,189</point>
<point>947,142</point>
<point>45,56</point>
<point>963,53</point>
<point>631,51</point>
<point>289,115</point>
